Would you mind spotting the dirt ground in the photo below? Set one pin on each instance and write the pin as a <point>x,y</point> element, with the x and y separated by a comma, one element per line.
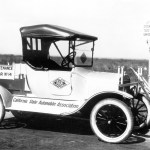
<point>46,133</point>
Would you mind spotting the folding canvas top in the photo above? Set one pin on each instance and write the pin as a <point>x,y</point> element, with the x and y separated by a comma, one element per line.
<point>53,31</point>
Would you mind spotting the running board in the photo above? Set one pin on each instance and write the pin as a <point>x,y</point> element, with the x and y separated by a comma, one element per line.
<point>40,105</point>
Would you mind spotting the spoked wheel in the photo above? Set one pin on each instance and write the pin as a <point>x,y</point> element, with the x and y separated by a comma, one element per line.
<point>111,120</point>
<point>140,108</point>
<point>22,115</point>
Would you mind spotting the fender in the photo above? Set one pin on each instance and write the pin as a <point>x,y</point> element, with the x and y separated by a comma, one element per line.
<point>124,94</point>
<point>89,103</point>
<point>6,96</point>
<point>121,93</point>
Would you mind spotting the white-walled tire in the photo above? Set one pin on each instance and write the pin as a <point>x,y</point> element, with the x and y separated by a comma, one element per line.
<point>111,120</point>
<point>2,110</point>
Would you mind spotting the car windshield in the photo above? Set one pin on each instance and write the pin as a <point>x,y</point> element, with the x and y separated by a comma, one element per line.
<point>83,53</point>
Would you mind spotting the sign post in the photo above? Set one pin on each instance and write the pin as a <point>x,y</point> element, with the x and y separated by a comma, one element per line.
<point>147,35</point>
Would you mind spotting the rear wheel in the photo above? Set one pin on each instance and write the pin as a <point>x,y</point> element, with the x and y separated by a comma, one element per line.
<point>111,120</point>
<point>2,110</point>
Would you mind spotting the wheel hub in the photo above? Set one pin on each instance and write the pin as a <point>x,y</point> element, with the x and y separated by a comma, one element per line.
<point>109,121</point>
<point>135,111</point>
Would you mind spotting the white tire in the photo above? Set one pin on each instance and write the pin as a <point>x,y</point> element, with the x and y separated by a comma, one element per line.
<point>2,110</point>
<point>111,120</point>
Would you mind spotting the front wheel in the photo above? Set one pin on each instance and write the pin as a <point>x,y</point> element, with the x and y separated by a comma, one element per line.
<point>111,120</point>
<point>140,108</point>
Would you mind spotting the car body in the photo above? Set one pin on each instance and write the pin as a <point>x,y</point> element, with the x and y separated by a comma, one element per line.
<point>57,78</point>
<point>58,84</point>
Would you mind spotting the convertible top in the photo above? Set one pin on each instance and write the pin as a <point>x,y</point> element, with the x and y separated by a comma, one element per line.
<point>53,31</point>
<point>37,40</point>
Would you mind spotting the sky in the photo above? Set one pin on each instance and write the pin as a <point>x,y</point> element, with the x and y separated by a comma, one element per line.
<point>118,24</point>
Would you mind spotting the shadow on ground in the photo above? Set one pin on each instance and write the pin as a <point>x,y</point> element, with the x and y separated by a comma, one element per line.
<point>66,125</point>
<point>12,123</point>
<point>47,123</point>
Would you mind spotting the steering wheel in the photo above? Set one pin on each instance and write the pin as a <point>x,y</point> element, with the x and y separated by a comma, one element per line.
<point>68,59</point>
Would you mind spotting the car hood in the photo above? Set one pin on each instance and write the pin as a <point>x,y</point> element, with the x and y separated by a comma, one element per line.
<point>103,81</point>
<point>100,80</point>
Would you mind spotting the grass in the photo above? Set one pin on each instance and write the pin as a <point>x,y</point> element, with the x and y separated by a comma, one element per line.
<point>103,65</point>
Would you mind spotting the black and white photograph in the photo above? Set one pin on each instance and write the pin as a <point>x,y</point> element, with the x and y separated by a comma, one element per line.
<point>74,74</point>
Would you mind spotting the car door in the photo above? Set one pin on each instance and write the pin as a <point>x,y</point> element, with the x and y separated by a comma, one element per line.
<point>59,82</point>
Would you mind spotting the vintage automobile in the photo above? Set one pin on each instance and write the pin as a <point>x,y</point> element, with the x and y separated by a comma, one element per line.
<point>57,78</point>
